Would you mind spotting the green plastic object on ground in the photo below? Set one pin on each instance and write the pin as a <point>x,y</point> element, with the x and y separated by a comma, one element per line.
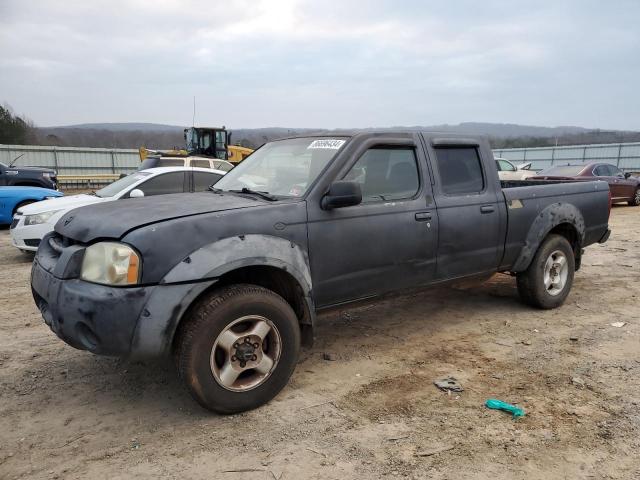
<point>507,407</point>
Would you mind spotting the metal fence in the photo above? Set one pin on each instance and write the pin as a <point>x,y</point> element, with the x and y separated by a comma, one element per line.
<point>625,155</point>
<point>92,161</point>
<point>72,160</point>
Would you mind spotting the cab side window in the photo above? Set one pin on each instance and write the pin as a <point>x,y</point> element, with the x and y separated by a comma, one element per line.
<point>460,170</point>
<point>202,180</point>
<point>386,174</point>
<point>165,183</point>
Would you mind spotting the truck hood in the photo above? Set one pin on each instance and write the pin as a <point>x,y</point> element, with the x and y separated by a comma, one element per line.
<point>115,219</point>
<point>62,203</point>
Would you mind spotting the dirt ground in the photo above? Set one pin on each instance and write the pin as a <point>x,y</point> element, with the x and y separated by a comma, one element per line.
<point>370,412</point>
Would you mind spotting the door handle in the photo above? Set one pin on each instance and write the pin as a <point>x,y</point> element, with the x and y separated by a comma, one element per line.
<point>423,216</point>
<point>487,209</point>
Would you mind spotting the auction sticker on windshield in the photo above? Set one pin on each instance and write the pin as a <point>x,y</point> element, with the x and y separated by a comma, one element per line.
<point>328,143</point>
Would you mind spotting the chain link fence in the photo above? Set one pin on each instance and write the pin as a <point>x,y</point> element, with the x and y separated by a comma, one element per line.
<point>625,156</point>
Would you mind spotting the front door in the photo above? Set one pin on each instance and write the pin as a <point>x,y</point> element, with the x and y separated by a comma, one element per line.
<point>385,243</point>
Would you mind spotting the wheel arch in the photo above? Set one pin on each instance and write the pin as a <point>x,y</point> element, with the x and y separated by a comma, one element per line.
<point>271,277</point>
<point>270,262</point>
<point>22,202</point>
<point>559,218</point>
<point>27,183</point>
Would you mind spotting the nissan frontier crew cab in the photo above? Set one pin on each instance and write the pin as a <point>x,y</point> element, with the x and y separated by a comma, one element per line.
<point>229,281</point>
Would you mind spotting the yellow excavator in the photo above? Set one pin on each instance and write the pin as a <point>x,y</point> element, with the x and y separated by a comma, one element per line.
<point>203,144</point>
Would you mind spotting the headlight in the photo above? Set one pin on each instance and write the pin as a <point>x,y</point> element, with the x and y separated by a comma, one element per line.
<point>39,217</point>
<point>48,174</point>
<point>111,263</point>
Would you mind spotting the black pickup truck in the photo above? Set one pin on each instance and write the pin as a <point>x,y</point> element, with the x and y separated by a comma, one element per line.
<point>28,177</point>
<point>229,281</point>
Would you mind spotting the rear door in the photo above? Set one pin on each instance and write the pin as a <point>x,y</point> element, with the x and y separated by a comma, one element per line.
<point>469,233</point>
<point>385,243</point>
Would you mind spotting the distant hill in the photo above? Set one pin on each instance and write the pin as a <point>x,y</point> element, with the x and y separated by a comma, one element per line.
<point>121,127</point>
<point>160,136</point>
<point>478,128</point>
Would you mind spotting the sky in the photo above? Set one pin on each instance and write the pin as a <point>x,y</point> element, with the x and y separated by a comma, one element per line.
<point>325,64</point>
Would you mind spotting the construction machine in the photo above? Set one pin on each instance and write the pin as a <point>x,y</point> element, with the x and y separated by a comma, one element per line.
<point>201,143</point>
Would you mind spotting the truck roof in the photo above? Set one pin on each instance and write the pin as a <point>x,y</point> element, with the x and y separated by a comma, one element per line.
<point>429,134</point>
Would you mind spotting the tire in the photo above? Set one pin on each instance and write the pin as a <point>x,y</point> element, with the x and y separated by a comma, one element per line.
<point>531,282</point>
<point>235,312</point>
<point>635,201</point>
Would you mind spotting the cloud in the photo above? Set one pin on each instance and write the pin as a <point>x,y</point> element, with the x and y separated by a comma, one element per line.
<point>326,64</point>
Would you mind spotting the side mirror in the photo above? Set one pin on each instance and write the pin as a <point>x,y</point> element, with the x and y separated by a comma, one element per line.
<point>342,194</point>
<point>627,175</point>
<point>136,193</point>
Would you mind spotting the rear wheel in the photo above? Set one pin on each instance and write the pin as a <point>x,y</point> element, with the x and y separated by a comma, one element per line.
<point>548,280</point>
<point>238,348</point>
<point>635,201</point>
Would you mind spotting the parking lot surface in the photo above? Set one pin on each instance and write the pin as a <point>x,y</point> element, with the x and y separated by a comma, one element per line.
<point>362,402</point>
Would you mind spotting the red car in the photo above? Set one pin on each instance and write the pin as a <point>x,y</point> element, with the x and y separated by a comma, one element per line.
<point>623,187</point>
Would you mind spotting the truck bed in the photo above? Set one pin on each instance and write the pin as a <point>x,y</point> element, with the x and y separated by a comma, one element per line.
<point>526,199</point>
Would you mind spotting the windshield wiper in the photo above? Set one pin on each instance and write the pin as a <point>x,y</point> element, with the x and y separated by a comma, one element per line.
<point>214,189</point>
<point>265,195</point>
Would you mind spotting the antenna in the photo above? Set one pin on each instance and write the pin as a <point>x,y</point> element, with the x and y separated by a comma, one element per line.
<point>193,123</point>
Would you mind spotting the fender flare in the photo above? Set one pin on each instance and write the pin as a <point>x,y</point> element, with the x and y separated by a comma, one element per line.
<point>549,218</point>
<point>222,256</point>
<point>202,268</point>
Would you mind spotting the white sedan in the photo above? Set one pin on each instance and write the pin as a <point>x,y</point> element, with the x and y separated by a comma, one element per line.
<point>508,171</point>
<point>34,221</point>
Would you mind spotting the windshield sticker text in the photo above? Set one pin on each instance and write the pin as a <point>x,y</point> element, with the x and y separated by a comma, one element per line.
<point>328,143</point>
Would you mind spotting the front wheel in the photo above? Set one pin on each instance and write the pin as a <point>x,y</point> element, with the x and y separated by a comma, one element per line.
<point>238,348</point>
<point>635,201</point>
<point>547,281</point>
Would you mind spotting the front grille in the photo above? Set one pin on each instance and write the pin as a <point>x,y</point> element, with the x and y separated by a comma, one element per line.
<point>14,223</point>
<point>32,242</point>
<point>58,243</point>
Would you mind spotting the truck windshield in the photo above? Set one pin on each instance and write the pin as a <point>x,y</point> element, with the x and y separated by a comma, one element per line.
<point>119,185</point>
<point>283,168</point>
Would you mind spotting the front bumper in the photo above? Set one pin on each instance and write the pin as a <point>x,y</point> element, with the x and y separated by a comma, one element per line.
<point>88,316</point>
<point>136,322</point>
<point>27,237</point>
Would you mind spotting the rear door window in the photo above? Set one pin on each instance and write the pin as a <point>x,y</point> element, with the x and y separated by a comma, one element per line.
<point>166,183</point>
<point>460,170</point>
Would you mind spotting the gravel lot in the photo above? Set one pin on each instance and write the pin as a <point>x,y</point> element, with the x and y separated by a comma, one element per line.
<point>371,411</point>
